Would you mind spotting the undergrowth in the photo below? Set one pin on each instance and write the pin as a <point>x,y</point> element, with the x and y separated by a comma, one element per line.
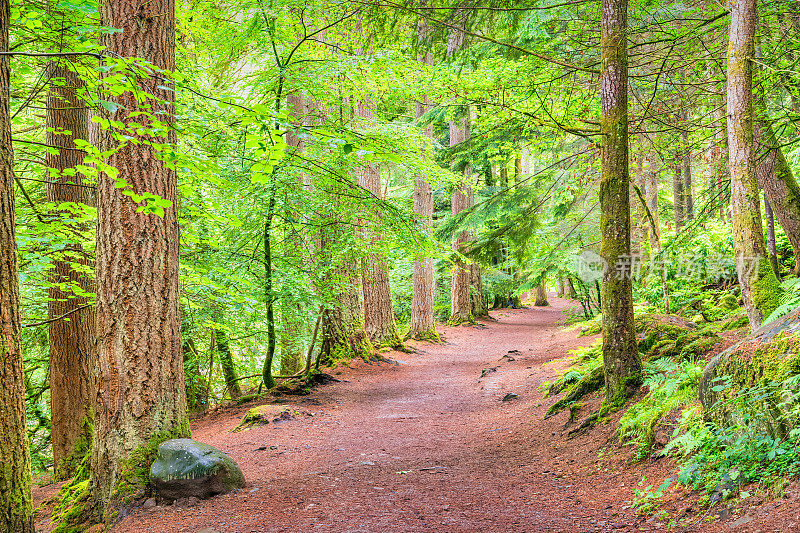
<point>672,385</point>
<point>752,446</point>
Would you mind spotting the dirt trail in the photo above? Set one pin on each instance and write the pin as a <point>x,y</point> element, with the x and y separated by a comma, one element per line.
<point>428,445</point>
<point>424,446</point>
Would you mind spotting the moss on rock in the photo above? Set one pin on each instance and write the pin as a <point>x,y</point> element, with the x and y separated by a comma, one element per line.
<point>765,359</point>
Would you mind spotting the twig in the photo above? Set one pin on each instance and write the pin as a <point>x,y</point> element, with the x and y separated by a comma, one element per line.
<point>43,322</point>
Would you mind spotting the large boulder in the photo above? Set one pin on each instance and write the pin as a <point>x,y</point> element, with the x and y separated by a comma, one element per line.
<point>186,468</point>
<point>762,362</point>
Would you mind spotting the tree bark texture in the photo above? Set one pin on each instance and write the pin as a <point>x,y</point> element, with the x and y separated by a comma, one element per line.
<point>379,322</point>
<point>771,247</point>
<point>758,283</point>
<point>16,509</point>
<point>141,395</point>
<point>71,342</point>
<point>678,200</point>
<point>460,306</point>
<point>227,363</point>
<point>621,362</point>
<point>423,319</point>
<point>343,333</point>
<point>722,173</point>
<point>775,176</point>
<point>688,195</point>
<point>294,241</point>
<point>541,295</point>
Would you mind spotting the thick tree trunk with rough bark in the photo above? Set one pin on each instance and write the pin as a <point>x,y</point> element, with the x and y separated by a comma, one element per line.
<point>622,365</point>
<point>775,176</point>
<point>16,509</point>
<point>460,306</point>
<point>541,295</point>
<point>379,322</point>
<point>477,298</point>
<point>423,319</point>
<point>294,242</point>
<point>141,395</point>
<point>71,341</point>
<point>756,279</point>
<point>343,334</point>
<point>771,246</point>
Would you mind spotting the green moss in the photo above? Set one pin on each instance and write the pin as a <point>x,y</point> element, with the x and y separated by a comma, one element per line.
<point>592,381</point>
<point>699,346</point>
<point>668,336</point>
<point>626,390</point>
<point>77,464</point>
<point>728,302</point>
<point>134,473</point>
<point>457,320</point>
<point>430,335</point>
<point>766,290</point>
<point>73,512</point>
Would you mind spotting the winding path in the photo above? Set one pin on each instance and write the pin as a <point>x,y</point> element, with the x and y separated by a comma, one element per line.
<point>427,445</point>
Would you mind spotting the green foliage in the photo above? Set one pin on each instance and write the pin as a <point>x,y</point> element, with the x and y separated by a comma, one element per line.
<point>725,456</point>
<point>646,499</point>
<point>789,299</point>
<point>671,386</point>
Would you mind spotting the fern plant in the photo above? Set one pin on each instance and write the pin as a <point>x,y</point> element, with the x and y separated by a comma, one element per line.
<point>789,299</point>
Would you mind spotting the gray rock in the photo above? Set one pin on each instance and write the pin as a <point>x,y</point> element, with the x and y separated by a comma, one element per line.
<point>149,503</point>
<point>189,469</point>
<point>740,363</point>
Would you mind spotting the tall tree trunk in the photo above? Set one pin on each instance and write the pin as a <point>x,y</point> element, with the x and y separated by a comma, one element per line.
<point>423,319</point>
<point>294,242</point>
<point>678,198</point>
<point>343,334</point>
<point>16,509</point>
<point>756,279</point>
<point>379,321</point>
<point>721,172</point>
<point>460,307</point>
<point>477,298</point>
<point>771,248</point>
<point>621,362</point>
<point>775,176</point>
<point>541,295</point>
<point>71,342</point>
<point>227,363</point>
<point>141,395</point>
<point>688,196</point>
<point>569,291</point>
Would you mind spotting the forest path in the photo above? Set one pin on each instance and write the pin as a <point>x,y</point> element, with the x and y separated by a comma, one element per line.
<point>428,445</point>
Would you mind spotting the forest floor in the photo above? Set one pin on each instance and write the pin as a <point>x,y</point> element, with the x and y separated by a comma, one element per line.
<point>430,445</point>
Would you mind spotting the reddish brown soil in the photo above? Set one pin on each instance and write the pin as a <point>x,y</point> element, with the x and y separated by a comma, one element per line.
<point>429,445</point>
